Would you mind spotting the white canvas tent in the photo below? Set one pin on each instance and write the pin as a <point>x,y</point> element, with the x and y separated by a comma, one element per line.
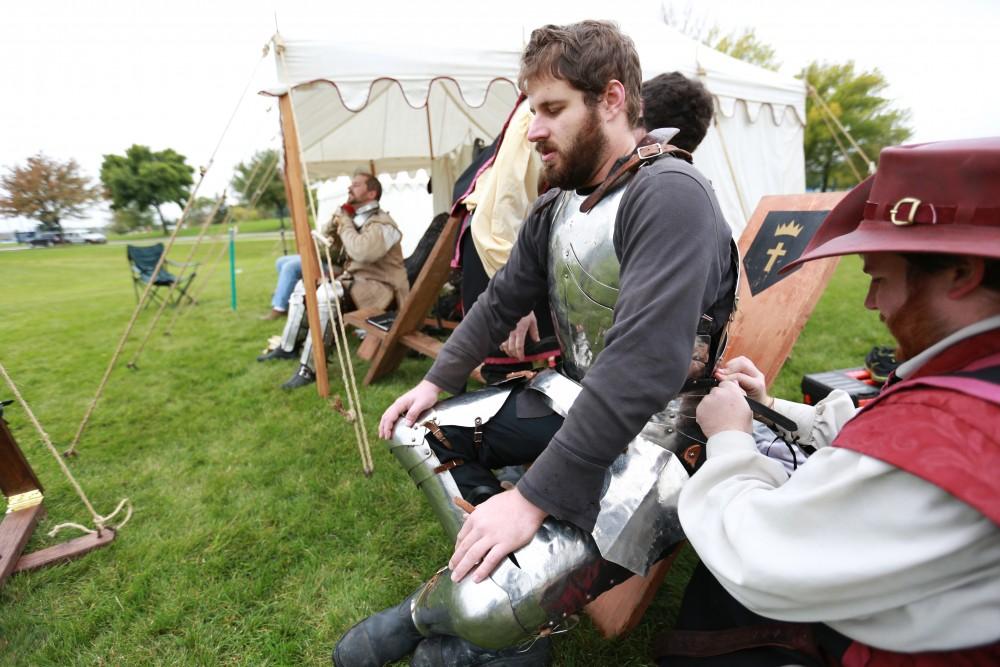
<point>409,92</point>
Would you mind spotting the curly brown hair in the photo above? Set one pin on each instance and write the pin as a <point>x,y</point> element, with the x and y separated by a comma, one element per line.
<point>587,55</point>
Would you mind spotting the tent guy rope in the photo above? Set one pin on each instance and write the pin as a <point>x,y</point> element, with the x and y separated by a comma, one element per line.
<point>212,264</point>
<point>100,522</point>
<point>71,450</point>
<point>346,366</point>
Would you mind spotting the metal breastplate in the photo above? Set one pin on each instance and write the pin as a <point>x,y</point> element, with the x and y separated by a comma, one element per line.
<point>583,277</point>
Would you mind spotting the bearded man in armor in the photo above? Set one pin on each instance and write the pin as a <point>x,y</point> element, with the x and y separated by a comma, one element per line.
<point>631,251</point>
<point>366,240</point>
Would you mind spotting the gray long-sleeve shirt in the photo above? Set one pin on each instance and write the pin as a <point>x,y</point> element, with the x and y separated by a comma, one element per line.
<point>674,249</point>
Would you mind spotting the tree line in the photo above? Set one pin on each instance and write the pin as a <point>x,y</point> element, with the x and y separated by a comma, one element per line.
<point>137,185</point>
<point>839,94</point>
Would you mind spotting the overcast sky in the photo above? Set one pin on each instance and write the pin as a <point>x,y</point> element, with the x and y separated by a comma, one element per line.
<point>82,79</point>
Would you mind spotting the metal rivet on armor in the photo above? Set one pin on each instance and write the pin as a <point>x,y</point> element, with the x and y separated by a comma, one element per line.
<point>589,596</point>
<point>611,581</point>
<point>670,430</point>
<point>565,614</point>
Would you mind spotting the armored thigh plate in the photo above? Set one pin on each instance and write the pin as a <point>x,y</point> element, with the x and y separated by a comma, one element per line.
<point>554,576</point>
<point>409,446</point>
<point>638,519</point>
<point>324,295</point>
<point>296,315</point>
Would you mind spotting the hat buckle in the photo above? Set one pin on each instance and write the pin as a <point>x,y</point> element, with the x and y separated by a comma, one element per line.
<point>909,219</point>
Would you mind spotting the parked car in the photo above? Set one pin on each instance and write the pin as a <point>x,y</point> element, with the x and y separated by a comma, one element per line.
<point>84,236</point>
<point>39,239</point>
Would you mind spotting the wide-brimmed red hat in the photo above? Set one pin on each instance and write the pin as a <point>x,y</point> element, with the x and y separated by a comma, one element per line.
<point>942,197</point>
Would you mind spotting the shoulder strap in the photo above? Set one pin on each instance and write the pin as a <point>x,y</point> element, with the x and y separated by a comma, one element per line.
<point>644,153</point>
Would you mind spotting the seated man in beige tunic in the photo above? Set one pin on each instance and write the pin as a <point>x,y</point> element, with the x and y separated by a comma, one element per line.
<point>367,241</point>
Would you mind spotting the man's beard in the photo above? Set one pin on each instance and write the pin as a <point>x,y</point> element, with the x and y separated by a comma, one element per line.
<point>574,167</point>
<point>915,325</point>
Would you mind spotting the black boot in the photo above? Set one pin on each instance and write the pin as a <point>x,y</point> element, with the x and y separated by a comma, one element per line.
<point>277,353</point>
<point>302,377</point>
<point>380,639</point>
<point>446,651</point>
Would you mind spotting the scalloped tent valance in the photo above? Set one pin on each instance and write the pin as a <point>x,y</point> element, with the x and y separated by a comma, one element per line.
<point>416,92</point>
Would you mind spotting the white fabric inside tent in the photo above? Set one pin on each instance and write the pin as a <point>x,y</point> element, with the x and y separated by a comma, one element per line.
<point>415,92</point>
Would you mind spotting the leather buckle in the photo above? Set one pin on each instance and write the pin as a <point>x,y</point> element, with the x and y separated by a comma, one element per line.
<point>649,151</point>
<point>909,219</point>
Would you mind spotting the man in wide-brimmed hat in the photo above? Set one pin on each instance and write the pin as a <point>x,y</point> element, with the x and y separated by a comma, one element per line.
<point>883,548</point>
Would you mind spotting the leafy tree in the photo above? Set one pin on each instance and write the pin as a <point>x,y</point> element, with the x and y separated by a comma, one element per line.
<point>250,177</point>
<point>202,206</point>
<point>129,219</point>
<point>144,179</point>
<point>46,190</point>
<point>744,46</point>
<point>855,100</point>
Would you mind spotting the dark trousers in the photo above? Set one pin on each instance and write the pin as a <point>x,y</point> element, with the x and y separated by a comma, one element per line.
<point>505,440</point>
<point>707,606</point>
<point>474,282</point>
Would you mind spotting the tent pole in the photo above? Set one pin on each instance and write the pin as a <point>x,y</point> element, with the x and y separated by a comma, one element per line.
<point>303,240</point>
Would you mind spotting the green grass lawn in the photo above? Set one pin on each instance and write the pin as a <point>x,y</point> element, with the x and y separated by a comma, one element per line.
<point>245,227</point>
<point>256,540</point>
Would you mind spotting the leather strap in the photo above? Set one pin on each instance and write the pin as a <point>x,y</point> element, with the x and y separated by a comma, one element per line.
<point>438,434</point>
<point>447,465</point>
<point>703,643</point>
<point>625,171</point>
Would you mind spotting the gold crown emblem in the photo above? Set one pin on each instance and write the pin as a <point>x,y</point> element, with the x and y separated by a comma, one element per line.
<point>788,229</point>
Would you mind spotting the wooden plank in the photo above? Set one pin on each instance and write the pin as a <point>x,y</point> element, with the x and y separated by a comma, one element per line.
<point>60,553</point>
<point>765,329</point>
<point>359,318</point>
<point>621,608</point>
<point>422,343</point>
<point>369,347</point>
<point>303,238</point>
<point>15,531</point>
<point>435,323</point>
<point>16,475</point>
<point>422,296</point>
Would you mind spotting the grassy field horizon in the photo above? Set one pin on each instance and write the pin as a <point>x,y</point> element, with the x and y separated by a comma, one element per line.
<point>255,539</point>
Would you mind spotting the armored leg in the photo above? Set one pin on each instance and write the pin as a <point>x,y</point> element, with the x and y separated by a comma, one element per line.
<point>410,447</point>
<point>325,323</point>
<point>296,315</point>
<point>535,590</point>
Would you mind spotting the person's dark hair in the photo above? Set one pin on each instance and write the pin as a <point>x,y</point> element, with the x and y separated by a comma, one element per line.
<point>673,100</point>
<point>587,55</point>
<point>372,183</point>
<point>924,264</point>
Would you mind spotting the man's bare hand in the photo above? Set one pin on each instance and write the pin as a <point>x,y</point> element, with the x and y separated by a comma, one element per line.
<point>743,372</point>
<point>725,409</point>
<point>499,526</point>
<point>527,327</point>
<point>410,404</point>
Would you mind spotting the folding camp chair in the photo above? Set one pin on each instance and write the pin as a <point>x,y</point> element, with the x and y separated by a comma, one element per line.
<point>143,259</point>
